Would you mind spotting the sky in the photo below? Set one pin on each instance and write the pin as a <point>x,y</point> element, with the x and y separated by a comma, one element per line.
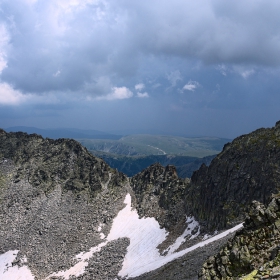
<point>205,68</point>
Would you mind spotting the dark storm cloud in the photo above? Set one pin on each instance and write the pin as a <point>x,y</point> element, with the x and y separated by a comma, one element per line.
<point>212,31</point>
<point>60,45</point>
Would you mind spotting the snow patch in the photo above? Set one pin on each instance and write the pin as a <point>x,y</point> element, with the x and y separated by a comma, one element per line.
<point>9,272</point>
<point>99,227</point>
<point>158,149</point>
<point>142,254</point>
<point>79,268</point>
<point>144,234</point>
<point>206,236</point>
<point>166,259</point>
<point>192,231</point>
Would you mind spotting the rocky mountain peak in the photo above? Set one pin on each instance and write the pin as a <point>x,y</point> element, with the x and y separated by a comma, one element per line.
<point>48,162</point>
<point>55,198</point>
<point>159,194</point>
<point>170,172</point>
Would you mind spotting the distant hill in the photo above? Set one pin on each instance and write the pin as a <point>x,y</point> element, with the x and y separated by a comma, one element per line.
<point>57,133</point>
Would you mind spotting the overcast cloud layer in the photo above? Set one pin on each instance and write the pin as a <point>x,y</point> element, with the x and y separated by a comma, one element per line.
<point>208,67</point>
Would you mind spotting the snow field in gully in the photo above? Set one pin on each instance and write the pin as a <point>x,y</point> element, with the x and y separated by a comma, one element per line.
<point>142,254</point>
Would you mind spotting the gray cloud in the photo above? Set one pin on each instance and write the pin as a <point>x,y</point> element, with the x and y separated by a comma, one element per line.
<point>98,38</point>
<point>213,31</point>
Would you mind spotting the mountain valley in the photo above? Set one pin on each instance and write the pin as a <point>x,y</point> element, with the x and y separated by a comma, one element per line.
<point>66,214</point>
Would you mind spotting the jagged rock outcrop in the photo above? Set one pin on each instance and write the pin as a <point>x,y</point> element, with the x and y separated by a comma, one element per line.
<point>247,169</point>
<point>159,193</point>
<point>254,252</point>
<point>48,162</point>
<point>55,197</point>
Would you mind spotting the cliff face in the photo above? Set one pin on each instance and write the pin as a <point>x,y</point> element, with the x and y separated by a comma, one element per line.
<point>159,193</point>
<point>247,169</point>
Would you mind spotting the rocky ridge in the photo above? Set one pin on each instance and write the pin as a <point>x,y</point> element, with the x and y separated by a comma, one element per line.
<point>159,193</point>
<point>219,197</point>
<point>254,252</point>
<point>247,169</point>
<point>55,196</point>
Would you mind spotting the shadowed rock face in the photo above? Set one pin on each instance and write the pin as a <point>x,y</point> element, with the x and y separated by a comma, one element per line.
<point>247,169</point>
<point>159,193</point>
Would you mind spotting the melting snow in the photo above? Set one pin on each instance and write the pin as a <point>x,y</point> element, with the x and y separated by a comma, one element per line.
<point>206,236</point>
<point>102,235</point>
<point>100,227</point>
<point>9,272</point>
<point>142,254</point>
<point>144,234</point>
<point>79,268</point>
<point>192,225</point>
<point>163,260</point>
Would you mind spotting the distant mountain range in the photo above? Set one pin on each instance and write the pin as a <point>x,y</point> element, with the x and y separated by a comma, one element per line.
<point>131,154</point>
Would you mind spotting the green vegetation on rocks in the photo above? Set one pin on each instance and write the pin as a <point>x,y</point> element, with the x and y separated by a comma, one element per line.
<point>254,252</point>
